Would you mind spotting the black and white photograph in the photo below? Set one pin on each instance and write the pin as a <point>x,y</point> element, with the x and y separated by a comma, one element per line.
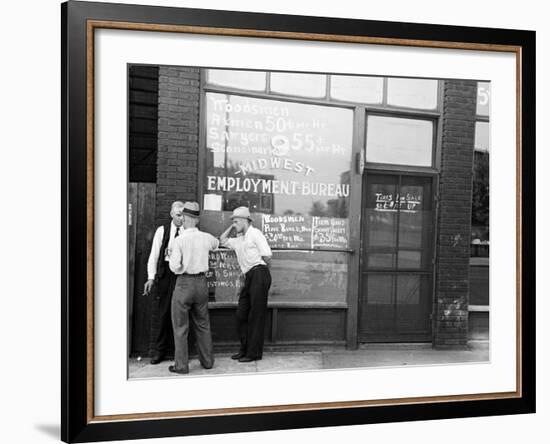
<point>275,222</point>
<point>305,221</point>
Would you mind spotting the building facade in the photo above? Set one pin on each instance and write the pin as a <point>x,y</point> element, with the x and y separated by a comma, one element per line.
<point>362,185</point>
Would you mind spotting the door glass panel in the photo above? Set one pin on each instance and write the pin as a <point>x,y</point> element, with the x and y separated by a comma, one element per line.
<point>408,289</point>
<point>378,309</point>
<point>415,219</point>
<point>409,259</point>
<point>410,229</point>
<point>380,289</point>
<point>413,304</point>
<point>381,260</point>
<point>382,231</point>
<point>381,214</point>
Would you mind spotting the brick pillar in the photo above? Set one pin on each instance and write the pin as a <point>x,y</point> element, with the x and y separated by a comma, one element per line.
<point>178,145</point>
<point>178,137</point>
<point>455,192</point>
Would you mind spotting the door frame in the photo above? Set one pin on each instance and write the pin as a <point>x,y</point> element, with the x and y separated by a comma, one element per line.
<point>400,170</point>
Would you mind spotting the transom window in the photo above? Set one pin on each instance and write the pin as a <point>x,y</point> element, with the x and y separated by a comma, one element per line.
<point>410,93</point>
<point>399,141</point>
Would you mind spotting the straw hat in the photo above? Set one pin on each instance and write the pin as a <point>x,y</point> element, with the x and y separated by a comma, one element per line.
<point>241,212</point>
<point>191,209</point>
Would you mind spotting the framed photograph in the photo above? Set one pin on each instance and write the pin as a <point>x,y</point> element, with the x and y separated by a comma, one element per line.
<point>275,221</point>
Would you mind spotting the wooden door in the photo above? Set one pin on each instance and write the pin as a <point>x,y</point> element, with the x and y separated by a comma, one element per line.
<point>396,262</point>
<point>141,229</point>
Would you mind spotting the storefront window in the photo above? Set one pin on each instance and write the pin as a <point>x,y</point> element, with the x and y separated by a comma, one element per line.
<point>279,158</point>
<point>290,164</point>
<point>480,205</point>
<point>480,193</point>
<point>483,98</point>
<point>250,80</point>
<point>303,85</point>
<point>399,141</point>
<point>412,93</point>
<point>482,136</point>
<point>357,89</point>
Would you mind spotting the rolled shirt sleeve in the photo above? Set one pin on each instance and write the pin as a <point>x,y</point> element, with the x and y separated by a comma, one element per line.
<point>230,243</point>
<point>154,254</point>
<point>214,243</point>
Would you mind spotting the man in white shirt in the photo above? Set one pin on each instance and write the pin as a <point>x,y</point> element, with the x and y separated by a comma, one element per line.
<point>254,256</point>
<point>189,261</point>
<point>163,280</point>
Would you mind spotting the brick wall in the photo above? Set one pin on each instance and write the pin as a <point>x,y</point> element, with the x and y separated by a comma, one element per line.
<point>178,137</point>
<point>178,145</point>
<point>455,191</point>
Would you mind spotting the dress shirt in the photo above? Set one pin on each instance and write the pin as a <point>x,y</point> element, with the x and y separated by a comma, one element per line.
<point>249,248</point>
<point>190,251</point>
<point>155,248</point>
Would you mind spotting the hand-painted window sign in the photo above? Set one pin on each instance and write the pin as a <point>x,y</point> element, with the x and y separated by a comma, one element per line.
<point>305,232</point>
<point>274,163</point>
<point>406,203</point>
<point>288,187</point>
<point>277,156</point>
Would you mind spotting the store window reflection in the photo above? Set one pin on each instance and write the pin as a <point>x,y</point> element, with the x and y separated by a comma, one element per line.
<point>357,89</point>
<point>401,141</point>
<point>480,192</point>
<point>295,84</point>
<point>277,157</point>
<point>482,136</point>
<point>249,80</point>
<point>483,98</point>
<point>412,93</point>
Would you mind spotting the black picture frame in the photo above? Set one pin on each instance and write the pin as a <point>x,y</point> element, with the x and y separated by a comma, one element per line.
<point>77,423</point>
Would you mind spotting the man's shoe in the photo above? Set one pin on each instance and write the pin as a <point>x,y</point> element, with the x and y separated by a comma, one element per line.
<point>249,359</point>
<point>173,369</point>
<point>237,355</point>
<point>157,359</point>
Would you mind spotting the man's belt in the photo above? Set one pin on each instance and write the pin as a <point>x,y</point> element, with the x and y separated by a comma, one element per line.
<point>257,266</point>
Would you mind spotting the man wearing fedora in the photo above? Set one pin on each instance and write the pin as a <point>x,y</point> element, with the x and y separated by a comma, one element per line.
<point>163,280</point>
<point>254,255</point>
<point>189,261</point>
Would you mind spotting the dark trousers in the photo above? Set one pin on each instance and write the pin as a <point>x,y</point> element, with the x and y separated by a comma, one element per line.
<point>252,311</point>
<point>162,341</point>
<point>190,310</point>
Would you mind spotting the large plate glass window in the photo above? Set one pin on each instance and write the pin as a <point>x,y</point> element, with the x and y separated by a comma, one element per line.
<point>289,162</point>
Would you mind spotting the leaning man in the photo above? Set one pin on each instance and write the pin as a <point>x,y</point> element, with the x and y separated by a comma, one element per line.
<point>254,255</point>
<point>161,277</point>
<point>189,261</point>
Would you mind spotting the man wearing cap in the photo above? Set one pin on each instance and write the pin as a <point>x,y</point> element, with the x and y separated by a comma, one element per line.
<point>161,277</point>
<point>189,261</point>
<point>254,255</point>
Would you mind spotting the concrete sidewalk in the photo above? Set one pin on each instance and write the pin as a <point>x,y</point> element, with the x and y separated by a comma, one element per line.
<point>366,356</point>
